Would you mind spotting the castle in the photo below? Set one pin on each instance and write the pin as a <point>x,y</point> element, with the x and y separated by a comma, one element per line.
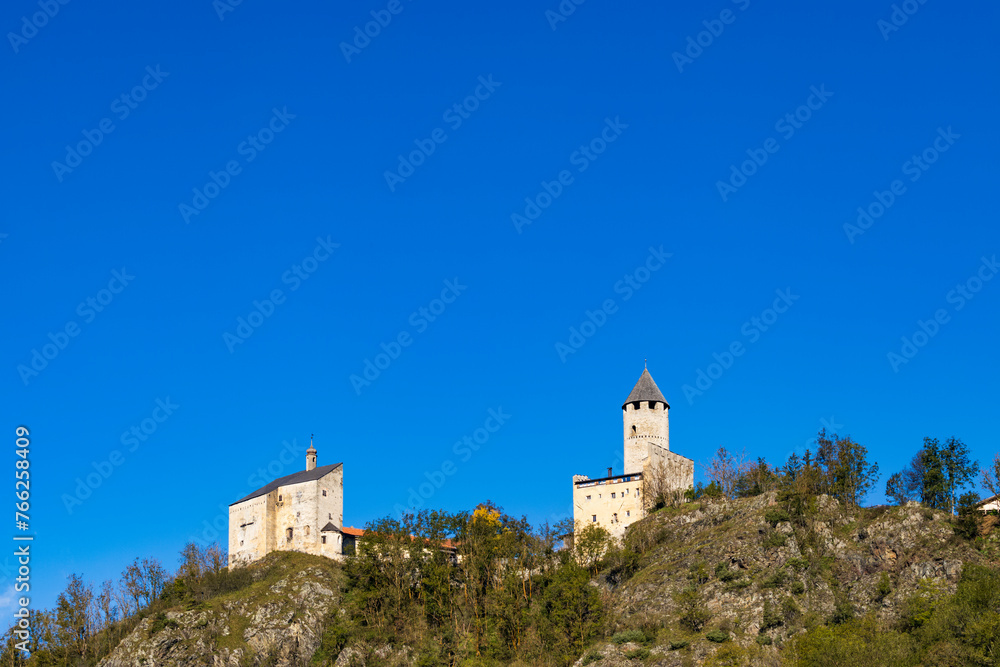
<point>616,501</point>
<point>303,511</point>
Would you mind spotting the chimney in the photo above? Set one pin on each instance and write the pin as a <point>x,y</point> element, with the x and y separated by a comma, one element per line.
<point>609,472</point>
<point>310,455</point>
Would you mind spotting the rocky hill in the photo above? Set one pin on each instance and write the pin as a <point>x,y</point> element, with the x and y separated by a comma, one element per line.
<point>277,620</point>
<point>715,582</point>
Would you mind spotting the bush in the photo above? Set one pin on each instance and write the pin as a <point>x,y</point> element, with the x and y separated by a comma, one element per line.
<point>776,580</point>
<point>637,654</point>
<point>776,516</point>
<point>770,619</point>
<point>775,540</point>
<point>699,572</point>
<point>883,587</point>
<point>797,587</point>
<point>679,644</point>
<point>692,613</point>
<point>593,656</point>
<point>717,636</point>
<point>738,585</point>
<point>636,636</point>
<point>723,572</point>
<point>790,610</point>
<point>798,564</point>
<point>764,640</point>
<point>843,612</point>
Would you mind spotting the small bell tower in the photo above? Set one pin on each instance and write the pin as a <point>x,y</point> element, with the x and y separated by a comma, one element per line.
<point>310,454</point>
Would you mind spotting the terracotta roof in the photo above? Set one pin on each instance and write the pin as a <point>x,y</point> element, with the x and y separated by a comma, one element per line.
<point>350,530</point>
<point>645,390</point>
<point>288,480</point>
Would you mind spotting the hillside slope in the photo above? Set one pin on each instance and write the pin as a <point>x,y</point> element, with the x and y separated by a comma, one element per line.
<point>277,620</point>
<point>761,574</point>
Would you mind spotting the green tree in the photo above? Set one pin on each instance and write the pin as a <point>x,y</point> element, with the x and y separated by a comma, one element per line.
<point>570,613</point>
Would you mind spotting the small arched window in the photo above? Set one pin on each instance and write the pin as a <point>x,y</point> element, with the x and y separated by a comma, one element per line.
<point>307,530</point>
<point>288,534</point>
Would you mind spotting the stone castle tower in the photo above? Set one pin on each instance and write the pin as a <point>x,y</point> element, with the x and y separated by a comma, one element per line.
<point>646,416</point>
<point>617,501</point>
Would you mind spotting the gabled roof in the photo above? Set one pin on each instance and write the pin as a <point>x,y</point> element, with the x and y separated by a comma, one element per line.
<point>645,390</point>
<point>288,480</point>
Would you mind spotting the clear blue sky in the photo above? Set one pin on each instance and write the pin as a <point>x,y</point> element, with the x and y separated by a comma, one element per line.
<point>631,140</point>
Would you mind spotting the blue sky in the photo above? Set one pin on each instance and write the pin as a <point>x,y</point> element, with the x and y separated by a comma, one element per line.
<point>675,175</point>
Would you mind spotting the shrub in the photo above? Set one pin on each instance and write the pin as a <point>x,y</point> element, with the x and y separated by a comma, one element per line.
<point>776,580</point>
<point>717,636</point>
<point>797,587</point>
<point>770,619</point>
<point>738,585</point>
<point>637,654</point>
<point>692,613</point>
<point>775,540</point>
<point>593,656</point>
<point>883,587</point>
<point>626,636</point>
<point>699,572</point>
<point>798,564</point>
<point>776,516</point>
<point>723,572</point>
<point>843,612</point>
<point>790,610</point>
<point>679,644</point>
<point>764,640</point>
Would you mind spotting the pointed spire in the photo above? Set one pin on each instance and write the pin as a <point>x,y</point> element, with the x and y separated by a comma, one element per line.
<point>645,390</point>
<point>311,454</point>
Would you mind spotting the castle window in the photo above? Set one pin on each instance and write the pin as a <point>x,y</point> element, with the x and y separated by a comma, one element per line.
<point>241,543</point>
<point>628,512</point>
<point>633,428</point>
<point>298,514</point>
<point>307,530</point>
<point>323,539</point>
<point>288,534</point>
<point>593,518</point>
<point>330,515</point>
<point>279,498</point>
<point>614,517</point>
<point>324,492</point>
<point>612,495</point>
<point>588,497</point>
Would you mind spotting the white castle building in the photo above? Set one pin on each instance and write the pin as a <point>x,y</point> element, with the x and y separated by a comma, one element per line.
<point>616,501</point>
<point>303,511</point>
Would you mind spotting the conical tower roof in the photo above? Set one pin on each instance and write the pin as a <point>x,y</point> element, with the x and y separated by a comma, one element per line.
<point>645,390</point>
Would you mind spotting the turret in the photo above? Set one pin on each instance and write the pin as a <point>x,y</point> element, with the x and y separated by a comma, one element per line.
<point>645,415</point>
<point>310,455</point>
